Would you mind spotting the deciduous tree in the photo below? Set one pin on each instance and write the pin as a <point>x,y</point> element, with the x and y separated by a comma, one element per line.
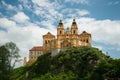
<point>4,72</point>
<point>13,54</point>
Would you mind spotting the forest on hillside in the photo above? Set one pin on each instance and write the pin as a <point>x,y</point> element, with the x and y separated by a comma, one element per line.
<point>77,63</point>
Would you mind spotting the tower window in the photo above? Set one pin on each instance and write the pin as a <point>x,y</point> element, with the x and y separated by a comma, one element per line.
<point>60,32</point>
<point>45,41</point>
<point>74,31</point>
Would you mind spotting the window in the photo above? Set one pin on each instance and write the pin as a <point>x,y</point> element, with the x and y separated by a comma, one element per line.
<point>67,45</point>
<point>48,41</point>
<point>74,32</point>
<point>60,32</point>
<point>39,53</point>
<point>31,53</point>
<point>45,41</point>
<point>84,40</point>
<point>87,40</point>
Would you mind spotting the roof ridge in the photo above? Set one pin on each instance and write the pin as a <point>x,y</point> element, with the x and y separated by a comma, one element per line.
<point>36,48</point>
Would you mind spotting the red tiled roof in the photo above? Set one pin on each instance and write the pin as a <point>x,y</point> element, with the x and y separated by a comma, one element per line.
<point>37,48</point>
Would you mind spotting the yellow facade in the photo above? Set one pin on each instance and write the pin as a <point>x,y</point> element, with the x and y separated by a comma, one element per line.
<point>66,38</point>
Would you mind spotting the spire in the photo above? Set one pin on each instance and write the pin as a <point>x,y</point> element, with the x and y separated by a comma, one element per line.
<point>60,24</point>
<point>73,20</point>
<point>74,28</point>
<point>60,21</point>
<point>74,25</point>
<point>60,28</point>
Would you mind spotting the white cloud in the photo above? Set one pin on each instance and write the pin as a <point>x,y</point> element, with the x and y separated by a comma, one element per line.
<point>83,12</point>
<point>49,10</point>
<point>8,6</point>
<point>74,13</point>
<point>25,37</point>
<point>105,31</point>
<point>49,26</point>
<point>20,17</point>
<point>6,23</point>
<point>20,7</point>
<point>26,4</point>
<point>43,3</point>
<point>77,1</point>
<point>38,12</point>
<point>46,9</point>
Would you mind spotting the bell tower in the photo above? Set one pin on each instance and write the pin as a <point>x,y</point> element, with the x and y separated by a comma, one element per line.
<point>74,28</point>
<point>60,30</point>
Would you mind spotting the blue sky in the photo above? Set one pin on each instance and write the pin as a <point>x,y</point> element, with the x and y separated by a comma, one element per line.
<point>25,21</point>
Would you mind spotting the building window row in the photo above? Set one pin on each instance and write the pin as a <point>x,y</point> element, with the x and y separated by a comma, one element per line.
<point>36,53</point>
<point>47,41</point>
<point>84,40</point>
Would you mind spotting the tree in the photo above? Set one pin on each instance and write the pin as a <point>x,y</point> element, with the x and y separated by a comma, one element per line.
<point>8,57</point>
<point>13,54</point>
<point>4,72</point>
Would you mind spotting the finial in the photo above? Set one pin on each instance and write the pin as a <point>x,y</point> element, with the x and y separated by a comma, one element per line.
<point>73,20</point>
<point>60,21</point>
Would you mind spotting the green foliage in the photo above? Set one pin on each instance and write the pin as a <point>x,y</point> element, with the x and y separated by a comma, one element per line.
<point>42,65</point>
<point>20,73</point>
<point>61,76</point>
<point>77,63</point>
<point>8,53</point>
<point>13,53</point>
<point>4,72</point>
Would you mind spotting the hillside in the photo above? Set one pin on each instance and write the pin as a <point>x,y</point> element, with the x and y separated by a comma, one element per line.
<point>77,63</point>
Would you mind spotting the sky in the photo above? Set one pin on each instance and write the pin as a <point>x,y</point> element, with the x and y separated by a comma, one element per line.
<point>24,22</point>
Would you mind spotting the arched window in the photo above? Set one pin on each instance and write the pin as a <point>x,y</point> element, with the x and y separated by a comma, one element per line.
<point>74,32</point>
<point>60,32</point>
<point>87,40</point>
<point>45,41</point>
<point>48,41</point>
